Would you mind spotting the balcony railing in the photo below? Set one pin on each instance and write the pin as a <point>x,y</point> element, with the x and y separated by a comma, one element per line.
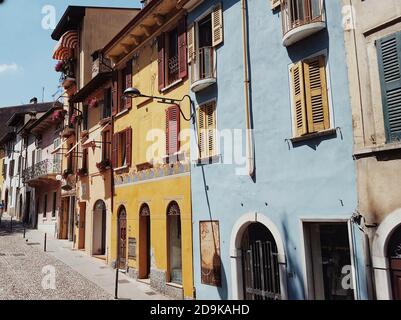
<point>43,169</point>
<point>203,69</point>
<point>301,18</point>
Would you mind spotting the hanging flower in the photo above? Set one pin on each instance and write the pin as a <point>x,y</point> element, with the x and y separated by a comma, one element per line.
<point>92,103</point>
<point>73,119</point>
<point>58,115</point>
<point>59,66</point>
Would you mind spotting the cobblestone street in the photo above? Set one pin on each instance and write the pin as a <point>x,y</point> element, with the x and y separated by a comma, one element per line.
<point>24,266</point>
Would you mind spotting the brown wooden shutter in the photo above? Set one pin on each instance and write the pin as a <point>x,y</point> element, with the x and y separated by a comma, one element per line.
<point>317,103</point>
<point>128,83</point>
<point>161,62</point>
<point>182,48</point>
<point>298,97</point>
<point>217,25</point>
<point>172,130</point>
<point>114,155</point>
<point>275,4</point>
<point>115,93</point>
<point>191,43</point>
<point>128,153</point>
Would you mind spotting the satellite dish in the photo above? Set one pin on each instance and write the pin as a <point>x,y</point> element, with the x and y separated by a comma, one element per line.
<point>59,177</point>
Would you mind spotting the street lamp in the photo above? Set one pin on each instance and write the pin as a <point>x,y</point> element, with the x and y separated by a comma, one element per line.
<point>135,93</point>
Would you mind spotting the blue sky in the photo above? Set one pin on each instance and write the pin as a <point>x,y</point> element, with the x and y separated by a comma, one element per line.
<point>26,64</point>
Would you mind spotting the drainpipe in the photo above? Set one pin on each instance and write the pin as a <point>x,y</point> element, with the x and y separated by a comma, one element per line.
<point>249,134</point>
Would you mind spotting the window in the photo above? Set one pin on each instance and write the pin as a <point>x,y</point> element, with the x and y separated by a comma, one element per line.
<point>172,130</point>
<point>107,102</point>
<point>122,148</point>
<point>310,96</point>
<point>11,170</point>
<point>38,155</point>
<point>19,164</point>
<point>85,160</point>
<point>85,117</point>
<point>207,130</point>
<point>172,55</point>
<point>45,207</point>
<point>54,204</point>
<point>57,155</point>
<point>106,145</point>
<point>122,79</point>
<point>4,172</point>
<point>389,59</point>
<point>70,159</point>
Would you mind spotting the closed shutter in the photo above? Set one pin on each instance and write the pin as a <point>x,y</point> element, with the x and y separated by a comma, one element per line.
<point>217,25</point>
<point>201,133</point>
<point>114,156</point>
<point>298,96</point>
<point>275,4</point>
<point>182,48</point>
<point>317,103</point>
<point>191,42</point>
<point>128,146</point>
<point>128,83</point>
<point>389,58</point>
<point>211,129</point>
<point>161,62</point>
<point>115,93</point>
<point>172,130</point>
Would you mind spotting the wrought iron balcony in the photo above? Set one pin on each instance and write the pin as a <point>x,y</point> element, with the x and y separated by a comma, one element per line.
<point>301,18</point>
<point>203,69</point>
<point>44,170</point>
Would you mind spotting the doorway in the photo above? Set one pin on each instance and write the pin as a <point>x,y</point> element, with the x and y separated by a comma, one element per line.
<point>394,256</point>
<point>144,242</point>
<point>328,261</point>
<point>99,228</point>
<point>174,243</point>
<point>122,238</point>
<point>260,268</point>
<point>82,225</point>
<point>27,217</point>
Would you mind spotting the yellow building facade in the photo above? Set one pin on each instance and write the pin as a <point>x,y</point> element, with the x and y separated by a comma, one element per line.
<point>151,232</point>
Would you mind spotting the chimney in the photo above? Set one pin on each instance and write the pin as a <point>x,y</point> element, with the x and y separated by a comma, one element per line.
<point>34,100</point>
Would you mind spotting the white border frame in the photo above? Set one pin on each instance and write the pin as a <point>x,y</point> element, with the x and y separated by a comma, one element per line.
<point>235,253</point>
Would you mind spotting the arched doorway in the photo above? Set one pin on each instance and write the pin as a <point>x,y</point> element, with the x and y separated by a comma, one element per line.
<point>122,237</point>
<point>99,228</point>
<point>394,256</point>
<point>174,243</point>
<point>20,207</point>
<point>260,269</point>
<point>6,201</point>
<point>144,242</point>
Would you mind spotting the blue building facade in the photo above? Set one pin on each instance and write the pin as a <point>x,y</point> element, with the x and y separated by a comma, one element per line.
<point>272,209</point>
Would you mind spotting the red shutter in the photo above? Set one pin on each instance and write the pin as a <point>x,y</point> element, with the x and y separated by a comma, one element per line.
<point>128,83</point>
<point>160,60</point>
<point>114,155</point>
<point>172,130</point>
<point>128,146</point>
<point>182,48</point>
<point>115,94</point>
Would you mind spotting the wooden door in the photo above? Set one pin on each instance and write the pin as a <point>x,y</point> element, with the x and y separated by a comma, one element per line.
<point>82,223</point>
<point>64,219</point>
<point>122,239</point>
<point>396,278</point>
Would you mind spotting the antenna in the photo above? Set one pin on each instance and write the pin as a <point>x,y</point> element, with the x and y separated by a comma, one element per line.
<point>43,94</point>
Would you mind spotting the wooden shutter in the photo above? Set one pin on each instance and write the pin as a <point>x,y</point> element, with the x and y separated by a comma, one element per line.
<point>128,83</point>
<point>298,97</point>
<point>275,4</point>
<point>217,25</point>
<point>317,103</point>
<point>182,48</point>
<point>172,130</point>
<point>191,43</point>
<point>201,132</point>
<point>128,146</point>
<point>115,93</point>
<point>211,129</point>
<point>389,59</point>
<point>161,62</point>
<point>114,156</point>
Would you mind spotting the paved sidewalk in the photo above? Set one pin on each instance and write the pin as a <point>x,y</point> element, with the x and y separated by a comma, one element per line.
<point>92,269</point>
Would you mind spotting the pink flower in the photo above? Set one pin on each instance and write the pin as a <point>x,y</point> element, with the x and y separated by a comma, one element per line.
<point>59,66</point>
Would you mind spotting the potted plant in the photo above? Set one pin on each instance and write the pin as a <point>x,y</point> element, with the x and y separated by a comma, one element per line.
<point>59,66</point>
<point>66,173</point>
<point>103,165</point>
<point>92,103</point>
<point>58,115</point>
<point>82,172</point>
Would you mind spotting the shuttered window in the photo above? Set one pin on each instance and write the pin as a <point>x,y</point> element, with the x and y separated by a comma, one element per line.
<point>128,83</point>
<point>389,58</point>
<point>172,130</point>
<point>115,94</point>
<point>217,25</point>
<point>122,148</point>
<point>275,4</point>
<point>207,130</point>
<point>310,96</point>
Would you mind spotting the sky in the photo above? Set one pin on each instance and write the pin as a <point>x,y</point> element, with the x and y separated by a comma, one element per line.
<point>26,47</point>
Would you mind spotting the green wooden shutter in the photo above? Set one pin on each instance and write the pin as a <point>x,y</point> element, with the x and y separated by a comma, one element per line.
<point>389,59</point>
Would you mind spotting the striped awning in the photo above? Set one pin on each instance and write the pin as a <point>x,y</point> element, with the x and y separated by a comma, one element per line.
<point>66,45</point>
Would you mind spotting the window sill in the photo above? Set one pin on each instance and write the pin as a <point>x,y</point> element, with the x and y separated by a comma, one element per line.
<point>310,136</point>
<point>371,151</point>
<point>208,160</point>
<point>121,113</point>
<point>171,85</point>
<point>121,169</point>
<point>104,121</point>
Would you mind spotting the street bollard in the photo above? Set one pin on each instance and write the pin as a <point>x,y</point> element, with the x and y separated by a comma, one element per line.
<point>45,244</point>
<point>11,225</point>
<point>116,284</point>
<point>24,232</point>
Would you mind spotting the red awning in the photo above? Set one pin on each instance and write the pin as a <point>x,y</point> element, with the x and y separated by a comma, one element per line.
<point>66,45</point>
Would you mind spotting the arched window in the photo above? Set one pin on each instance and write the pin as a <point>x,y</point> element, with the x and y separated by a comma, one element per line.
<point>174,242</point>
<point>99,228</point>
